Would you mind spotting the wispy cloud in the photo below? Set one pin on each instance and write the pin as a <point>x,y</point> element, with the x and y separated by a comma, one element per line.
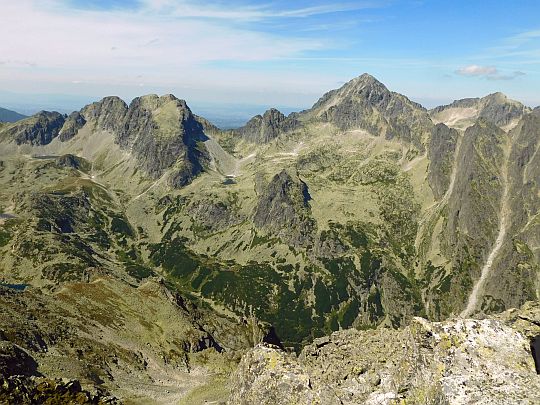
<point>509,76</point>
<point>230,11</point>
<point>487,72</point>
<point>476,70</point>
<point>84,39</point>
<point>519,49</point>
<point>104,48</point>
<point>517,41</point>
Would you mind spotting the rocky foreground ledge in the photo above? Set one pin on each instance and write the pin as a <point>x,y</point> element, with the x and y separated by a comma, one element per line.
<point>461,361</point>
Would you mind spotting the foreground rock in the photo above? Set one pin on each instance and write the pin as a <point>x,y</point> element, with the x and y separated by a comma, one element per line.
<point>454,362</point>
<point>24,390</point>
<point>268,375</point>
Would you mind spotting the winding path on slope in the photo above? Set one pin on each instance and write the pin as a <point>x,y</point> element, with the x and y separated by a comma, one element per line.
<point>503,223</point>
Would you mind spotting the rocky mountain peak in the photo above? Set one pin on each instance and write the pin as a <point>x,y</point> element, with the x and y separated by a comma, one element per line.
<point>364,83</point>
<point>284,209</point>
<point>153,102</point>
<point>162,132</point>
<point>365,103</point>
<point>39,129</point>
<point>264,128</point>
<point>73,123</point>
<point>364,86</point>
<point>107,114</point>
<point>273,115</point>
<point>496,108</point>
<point>497,96</point>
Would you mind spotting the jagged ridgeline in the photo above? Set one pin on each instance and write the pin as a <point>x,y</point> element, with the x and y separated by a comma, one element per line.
<point>365,210</point>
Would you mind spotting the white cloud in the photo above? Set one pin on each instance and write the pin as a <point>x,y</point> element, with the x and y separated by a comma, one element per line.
<point>488,72</point>
<point>85,38</point>
<point>476,70</point>
<point>115,47</point>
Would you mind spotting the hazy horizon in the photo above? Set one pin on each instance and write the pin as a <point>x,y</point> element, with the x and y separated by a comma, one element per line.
<point>62,54</point>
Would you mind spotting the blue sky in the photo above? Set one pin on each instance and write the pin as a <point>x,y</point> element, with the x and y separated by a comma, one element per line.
<point>281,53</point>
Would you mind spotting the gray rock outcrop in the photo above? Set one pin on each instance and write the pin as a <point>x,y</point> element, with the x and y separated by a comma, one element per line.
<point>495,108</point>
<point>73,123</point>
<point>365,103</point>
<point>37,130</point>
<point>440,152</point>
<point>162,132</point>
<point>263,128</point>
<point>107,114</point>
<point>455,362</point>
<point>283,209</point>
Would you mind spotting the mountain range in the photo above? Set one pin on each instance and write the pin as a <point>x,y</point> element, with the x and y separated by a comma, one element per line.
<point>10,116</point>
<point>141,245</point>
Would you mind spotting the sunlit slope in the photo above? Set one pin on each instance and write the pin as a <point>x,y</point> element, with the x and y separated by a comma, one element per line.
<point>358,212</point>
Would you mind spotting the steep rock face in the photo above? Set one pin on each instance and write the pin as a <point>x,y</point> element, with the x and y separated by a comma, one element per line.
<point>468,235</point>
<point>481,228</point>
<point>515,273</point>
<point>440,152</point>
<point>107,114</point>
<point>365,103</point>
<point>161,132</point>
<point>264,128</point>
<point>39,129</point>
<point>283,209</point>
<point>495,108</point>
<point>478,189</point>
<point>453,362</point>
<point>73,123</point>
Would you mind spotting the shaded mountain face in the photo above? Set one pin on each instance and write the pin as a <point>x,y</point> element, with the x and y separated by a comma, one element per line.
<point>10,116</point>
<point>72,124</point>
<point>40,129</point>
<point>361,212</point>
<point>516,267</point>
<point>496,108</point>
<point>283,210</point>
<point>162,134</point>
<point>440,152</point>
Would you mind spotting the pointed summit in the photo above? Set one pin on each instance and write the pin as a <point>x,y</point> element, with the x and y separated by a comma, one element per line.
<point>364,86</point>
<point>365,79</point>
<point>366,103</point>
<point>106,114</point>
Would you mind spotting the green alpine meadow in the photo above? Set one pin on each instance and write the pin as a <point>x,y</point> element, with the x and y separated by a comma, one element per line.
<point>283,229</point>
